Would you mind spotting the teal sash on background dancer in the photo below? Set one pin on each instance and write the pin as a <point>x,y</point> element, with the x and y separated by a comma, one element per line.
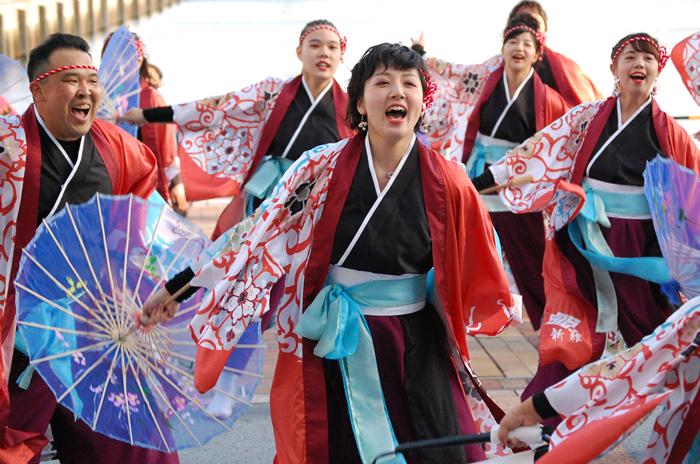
<point>265,179</point>
<point>585,230</point>
<point>486,150</point>
<point>335,319</point>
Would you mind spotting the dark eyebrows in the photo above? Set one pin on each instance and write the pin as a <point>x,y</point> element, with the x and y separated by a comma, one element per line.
<point>403,74</point>
<point>320,41</point>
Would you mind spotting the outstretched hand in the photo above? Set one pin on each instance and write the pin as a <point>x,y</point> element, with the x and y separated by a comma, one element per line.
<point>418,38</point>
<point>523,415</point>
<point>134,117</point>
<point>153,311</point>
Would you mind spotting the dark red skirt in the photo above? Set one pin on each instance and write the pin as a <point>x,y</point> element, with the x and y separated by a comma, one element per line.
<point>523,240</point>
<point>421,389</point>
<point>641,306</point>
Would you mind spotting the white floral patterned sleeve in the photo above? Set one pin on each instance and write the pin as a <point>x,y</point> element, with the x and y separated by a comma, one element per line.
<point>221,134</point>
<point>243,264</point>
<point>549,156</point>
<point>459,89</point>
<point>664,366</point>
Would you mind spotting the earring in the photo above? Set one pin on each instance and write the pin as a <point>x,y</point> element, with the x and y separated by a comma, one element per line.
<point>616,88</point>
<point>363,124</point>
<point>655,88</point>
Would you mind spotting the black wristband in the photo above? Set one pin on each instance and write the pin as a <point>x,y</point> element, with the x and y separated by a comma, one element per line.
<point>418,48</point>
<point>485,180</point>
<point>543,406</point>
<point>179,281</point>
<point>176,180</point>
<point>162,114</point>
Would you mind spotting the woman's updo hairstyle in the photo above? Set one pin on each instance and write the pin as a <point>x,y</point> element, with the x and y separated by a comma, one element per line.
<point>529,5</point>
<point>379,58</point>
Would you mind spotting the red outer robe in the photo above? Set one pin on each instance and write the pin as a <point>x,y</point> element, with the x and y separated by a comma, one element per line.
<point>560,275</point>
<point>132,169</point>
<point>462,235</point>
<point>160,138</point>
<point>549,106</point>
<point>573,85</point>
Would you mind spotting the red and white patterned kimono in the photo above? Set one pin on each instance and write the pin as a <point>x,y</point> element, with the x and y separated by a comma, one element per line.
<point>607,398</point>
<point>131,168</point>
<point>460,89</point>
<point>558,157</point>
<point>223,140</point>
<point>293,233</point>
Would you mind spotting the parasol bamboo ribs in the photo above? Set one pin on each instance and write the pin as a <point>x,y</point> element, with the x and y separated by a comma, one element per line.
<point>104,386</point>
<point>512,183</point>
<point>192,400</point>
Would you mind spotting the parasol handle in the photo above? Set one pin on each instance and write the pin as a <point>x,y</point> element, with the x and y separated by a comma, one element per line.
<point>172,298</point>
<point>512,183</point>
<point>145,320</point>
<point>686,117</point>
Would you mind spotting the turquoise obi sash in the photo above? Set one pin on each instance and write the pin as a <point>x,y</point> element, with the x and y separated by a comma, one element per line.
<point>335,319</point>
<point>585,229</point>
<point>486,150</point>
<point>265,179</point>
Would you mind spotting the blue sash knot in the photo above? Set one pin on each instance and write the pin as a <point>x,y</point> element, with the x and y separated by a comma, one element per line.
<point>335,319</point>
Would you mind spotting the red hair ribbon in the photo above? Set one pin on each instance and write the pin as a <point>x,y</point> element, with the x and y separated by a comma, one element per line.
<point>64,68</point>
<point>663,55</point>
<point>139,49</point>
<point>431,87</point>
<point>519,10</point>
<point>343,40</point>
<point>541,38</point>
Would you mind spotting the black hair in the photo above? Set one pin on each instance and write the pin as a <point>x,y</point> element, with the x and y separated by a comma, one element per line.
<point>530,5</point>
<point>318,22</point>
<point>639,45</point>
<point>523,19</point>
<point>143,70</point>
<point>39,58</point>
<point>386,56</point>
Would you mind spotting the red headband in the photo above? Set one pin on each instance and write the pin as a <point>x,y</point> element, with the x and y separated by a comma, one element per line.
<point>431,87</point>
<point>541,38</point>
<point>343,40</point>
<point>75,66</point>
<point>663,55</point>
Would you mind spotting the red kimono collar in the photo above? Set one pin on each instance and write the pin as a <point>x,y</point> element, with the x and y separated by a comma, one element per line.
<point>284,100</point>
<point>475,118</point>
<point>29,202</point>
<point>595,128</point>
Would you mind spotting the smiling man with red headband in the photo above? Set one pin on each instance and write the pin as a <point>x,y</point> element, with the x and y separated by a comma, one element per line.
<point>57,153</point>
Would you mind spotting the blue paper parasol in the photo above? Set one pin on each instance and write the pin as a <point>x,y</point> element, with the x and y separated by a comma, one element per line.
<point>673,192</point>
<point>15,96</point>
<point>119,78</point>
<point>81,284</point>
